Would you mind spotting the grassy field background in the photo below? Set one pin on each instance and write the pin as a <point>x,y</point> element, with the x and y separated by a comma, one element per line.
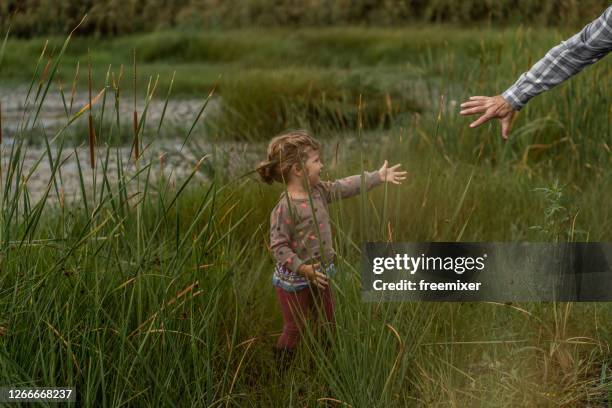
<point>31,18</point>
<point>152,293</point>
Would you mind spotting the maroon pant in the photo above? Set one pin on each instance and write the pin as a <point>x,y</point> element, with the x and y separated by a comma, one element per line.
<point>297,306</point>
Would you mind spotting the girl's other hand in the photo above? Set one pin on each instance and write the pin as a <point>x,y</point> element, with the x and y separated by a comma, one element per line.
<point>311,272</point>
<point>391,174</point>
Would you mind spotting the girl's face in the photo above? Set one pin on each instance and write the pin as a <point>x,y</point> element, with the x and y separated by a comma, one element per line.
<point>313,166</point>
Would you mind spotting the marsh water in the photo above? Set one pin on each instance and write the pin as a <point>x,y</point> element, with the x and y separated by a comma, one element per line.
<point>165,151</point>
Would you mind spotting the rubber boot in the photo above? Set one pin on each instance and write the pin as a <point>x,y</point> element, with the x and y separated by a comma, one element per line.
<point>283,358</point>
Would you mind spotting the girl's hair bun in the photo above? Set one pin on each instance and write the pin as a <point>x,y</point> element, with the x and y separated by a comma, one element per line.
<point>266,172</point>
<point>285,151</point>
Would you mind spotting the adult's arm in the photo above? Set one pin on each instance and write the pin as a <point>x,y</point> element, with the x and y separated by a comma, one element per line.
<point>561,62</point>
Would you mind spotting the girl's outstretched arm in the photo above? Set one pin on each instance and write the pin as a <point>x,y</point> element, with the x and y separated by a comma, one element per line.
<point>351,185</point>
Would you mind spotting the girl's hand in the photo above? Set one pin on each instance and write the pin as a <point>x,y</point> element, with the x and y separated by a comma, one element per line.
<point>391,174</point>
<point>311,273</point>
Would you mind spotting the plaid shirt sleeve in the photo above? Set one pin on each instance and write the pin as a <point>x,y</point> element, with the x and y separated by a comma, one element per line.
<point>563,61</point>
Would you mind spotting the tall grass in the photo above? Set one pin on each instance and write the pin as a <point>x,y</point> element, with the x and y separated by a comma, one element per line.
<point>147,292</point>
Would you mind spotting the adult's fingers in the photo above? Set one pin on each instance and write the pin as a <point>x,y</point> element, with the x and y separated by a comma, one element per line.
<point>505,124</point>
<point>484,118</point>
<point>470,104</point>
<point>395,167</point>
<point>478,97</point>
<point>471,111</point>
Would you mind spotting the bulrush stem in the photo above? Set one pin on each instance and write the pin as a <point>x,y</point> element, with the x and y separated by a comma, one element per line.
<point>0,163</point>
<point>43,76</point>
<point>74,86</point>
<point>117,86</point>
<point>136,144</point>
<point>91,133</point>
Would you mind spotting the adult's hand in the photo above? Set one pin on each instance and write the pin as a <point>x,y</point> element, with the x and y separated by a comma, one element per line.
<point>491,107</point>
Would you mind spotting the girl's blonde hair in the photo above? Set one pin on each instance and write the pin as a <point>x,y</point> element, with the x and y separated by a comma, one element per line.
<point>285,151</point>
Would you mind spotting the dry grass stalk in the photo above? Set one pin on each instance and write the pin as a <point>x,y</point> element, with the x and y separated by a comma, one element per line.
<point>170,302</point>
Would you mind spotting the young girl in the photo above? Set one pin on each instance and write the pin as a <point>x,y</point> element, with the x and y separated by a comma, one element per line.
<point>300,230</point>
